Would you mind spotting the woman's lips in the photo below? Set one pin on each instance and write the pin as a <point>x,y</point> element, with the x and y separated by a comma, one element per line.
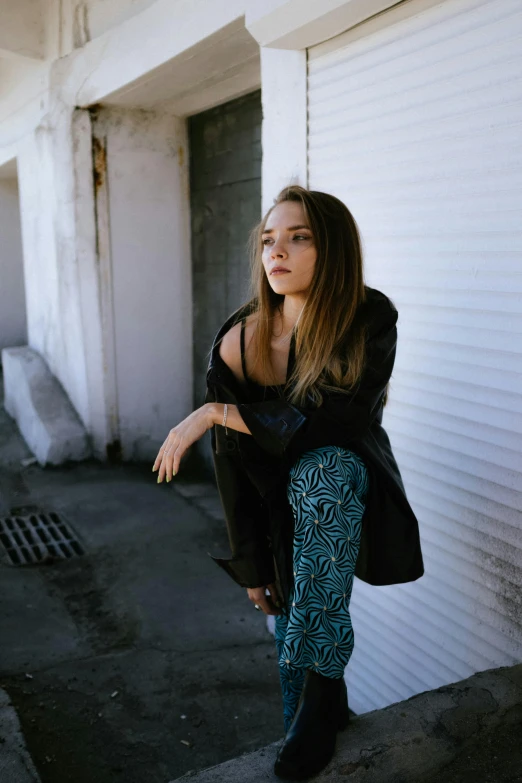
<point>280,272</point>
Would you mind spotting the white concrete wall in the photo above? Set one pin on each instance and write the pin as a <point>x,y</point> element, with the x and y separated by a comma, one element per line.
<point>101,15</point>
<point>151,274</point>
<point>24,100</point>
<point>21,28</point>
<point>36,203</point>
<point>13,327</point>
<point>284,122</point>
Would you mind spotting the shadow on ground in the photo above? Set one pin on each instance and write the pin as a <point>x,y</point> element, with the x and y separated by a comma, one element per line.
<point>140,660</point>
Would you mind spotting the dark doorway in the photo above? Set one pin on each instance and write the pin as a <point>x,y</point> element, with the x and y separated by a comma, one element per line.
<point>225,182</point>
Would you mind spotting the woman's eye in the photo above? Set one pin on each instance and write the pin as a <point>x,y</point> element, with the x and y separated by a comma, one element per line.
<point>269,240</point>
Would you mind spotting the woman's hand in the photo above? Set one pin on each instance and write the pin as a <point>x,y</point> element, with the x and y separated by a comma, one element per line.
<point>268,603</point>
<point>179,439</point>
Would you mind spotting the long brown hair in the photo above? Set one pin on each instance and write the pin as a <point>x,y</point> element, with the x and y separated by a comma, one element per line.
<point>329,339</point>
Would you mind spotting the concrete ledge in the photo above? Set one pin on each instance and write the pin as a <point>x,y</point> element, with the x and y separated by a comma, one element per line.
<point>38,403</point>
<point>15,763</point>
<point>409,741</point>
<point>298,24</point>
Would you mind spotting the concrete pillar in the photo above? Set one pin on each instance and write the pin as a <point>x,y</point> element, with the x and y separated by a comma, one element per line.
<point>105,223</point>
<point>54,319</point>
<point>144,259</point>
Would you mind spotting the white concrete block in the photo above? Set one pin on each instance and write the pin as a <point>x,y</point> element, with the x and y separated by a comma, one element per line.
<point>39,405</point>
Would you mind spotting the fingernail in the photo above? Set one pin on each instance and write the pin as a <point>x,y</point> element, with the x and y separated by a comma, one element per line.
<point>168,479</point>
<point>173,473</point>
<point>153,469</point>
<point>159,480</point>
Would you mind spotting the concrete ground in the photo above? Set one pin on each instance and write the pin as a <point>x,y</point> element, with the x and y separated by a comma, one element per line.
<point>467,732</point>
<point>141,660</point>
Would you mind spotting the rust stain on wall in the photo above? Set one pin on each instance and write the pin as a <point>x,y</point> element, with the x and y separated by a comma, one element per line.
<point>99,163</point>
<point>181,155</point>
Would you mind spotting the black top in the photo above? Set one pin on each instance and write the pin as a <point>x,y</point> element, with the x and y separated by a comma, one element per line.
<point>256,392</point>
<point>252,470</point>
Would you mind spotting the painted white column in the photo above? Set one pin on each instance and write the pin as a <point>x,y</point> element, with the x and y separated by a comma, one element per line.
<point>283,83</point>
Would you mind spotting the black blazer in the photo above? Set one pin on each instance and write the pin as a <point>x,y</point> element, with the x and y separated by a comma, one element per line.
<point>252,470</point>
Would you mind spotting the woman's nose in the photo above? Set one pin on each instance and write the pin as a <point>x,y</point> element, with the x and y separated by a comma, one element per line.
<point>278,251</point>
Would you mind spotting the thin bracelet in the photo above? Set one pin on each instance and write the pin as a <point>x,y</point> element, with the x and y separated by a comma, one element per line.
<point>225,412</point>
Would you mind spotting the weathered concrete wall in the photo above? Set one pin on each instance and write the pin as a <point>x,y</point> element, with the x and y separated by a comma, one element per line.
<point>54,320</point>
<point>94,17</point>
<point>147,220</point>
<point>13,328</point>
<point>24,100</point>
<point>140,368</point>
<point>225,145</point>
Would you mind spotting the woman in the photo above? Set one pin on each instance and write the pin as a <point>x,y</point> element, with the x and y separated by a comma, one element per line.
<point>311,491</point>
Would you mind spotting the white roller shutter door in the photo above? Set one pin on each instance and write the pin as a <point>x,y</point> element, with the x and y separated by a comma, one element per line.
<point>415,122</point>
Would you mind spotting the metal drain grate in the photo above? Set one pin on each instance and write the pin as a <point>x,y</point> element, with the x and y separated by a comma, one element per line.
<point>38,538</point>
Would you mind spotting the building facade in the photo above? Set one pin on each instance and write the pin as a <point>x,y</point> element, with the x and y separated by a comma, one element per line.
<point>139,142</point>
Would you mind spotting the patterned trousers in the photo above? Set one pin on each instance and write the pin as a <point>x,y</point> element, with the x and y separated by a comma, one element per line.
<point>327,490</point>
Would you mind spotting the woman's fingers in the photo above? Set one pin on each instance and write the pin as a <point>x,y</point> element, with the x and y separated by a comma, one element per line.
<point>272,589</point>
<point>168,459</point>
<point>159,458</point>
<point>171,462</point>
<point>167,462</point>
<point>258,596</point>
<point>175,454</point>
<point>273,609</point>
<point>266,606</point>
<point>180,439</point>
<point>173,457</point>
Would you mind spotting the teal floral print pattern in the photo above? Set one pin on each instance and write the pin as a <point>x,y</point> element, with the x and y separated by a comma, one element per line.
<point>327,490</point>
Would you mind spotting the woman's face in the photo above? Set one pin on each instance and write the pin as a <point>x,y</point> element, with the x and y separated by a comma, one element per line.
<point>288,243</point>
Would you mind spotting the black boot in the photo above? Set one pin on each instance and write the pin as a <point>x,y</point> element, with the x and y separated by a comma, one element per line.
<point>344,714</point>
<point>310,742</point>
